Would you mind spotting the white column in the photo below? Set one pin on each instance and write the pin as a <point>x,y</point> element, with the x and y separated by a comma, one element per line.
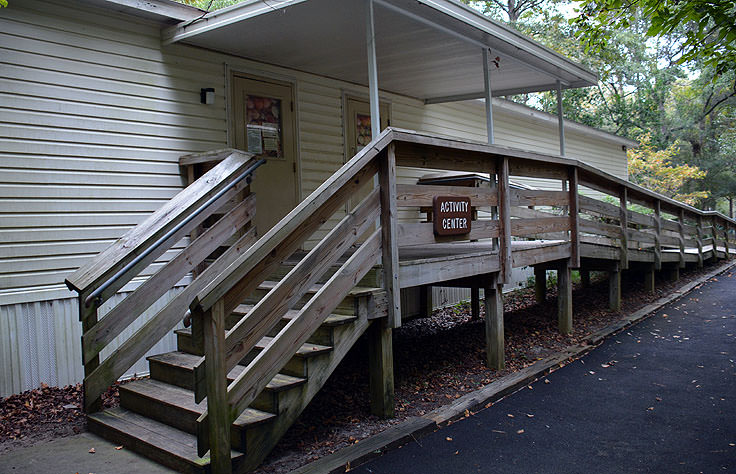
<point>560,120</point>
<point>372,71</point>
<point>487,87</point>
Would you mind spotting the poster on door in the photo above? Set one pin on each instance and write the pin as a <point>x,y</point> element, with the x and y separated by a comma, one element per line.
<point>362,131</point>
<point>263,126</point>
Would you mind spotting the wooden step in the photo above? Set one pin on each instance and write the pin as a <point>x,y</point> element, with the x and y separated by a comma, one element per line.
<point>162,443</point>
<point>322,336</point>
<point>346,306</point>
<point>176,368</point>
<point>373,278</point>
<point>175,406</point>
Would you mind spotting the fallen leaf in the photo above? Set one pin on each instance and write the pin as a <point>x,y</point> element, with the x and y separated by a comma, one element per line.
<point>650,408</point>
<point>457,452</point>
<point>510,415</point>
<point>467,413</point>
<point>546,381</point>
<point>520,432</point>
<point>118,448</point>
<point>91,450</point>
<point>448,438</point>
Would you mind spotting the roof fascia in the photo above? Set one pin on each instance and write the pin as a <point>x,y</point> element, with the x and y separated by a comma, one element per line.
<point>165,10</point>
<point>219,18</point>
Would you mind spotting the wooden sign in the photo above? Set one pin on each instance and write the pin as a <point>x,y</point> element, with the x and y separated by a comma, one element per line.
<point>452,215</point>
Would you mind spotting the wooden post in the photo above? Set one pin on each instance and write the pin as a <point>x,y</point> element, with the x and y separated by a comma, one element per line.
<point>495,358</point>
<point>425,301</point>
<point>540,283</point>
<point>657,235</point>
<point>475,302</point>
<point>389,245</point>
<point>715,237</point>
<point>88,317</point>
<point>673,273</point>
<point>564,298</point>
<point>649,279</point>
<point>699,230</point>
<point>681,228</point>
<point>725,240</point>
<point>614,288</point>
<point>624,219</point>
<point>573,212</point>
<point>218,407</point>
<point>585,278</point>
<point>381,368</point>
<point>504,220</point>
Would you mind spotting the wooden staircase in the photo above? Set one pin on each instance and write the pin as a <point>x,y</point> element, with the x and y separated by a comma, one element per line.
<point>269,321</point>
<point>157,416</point>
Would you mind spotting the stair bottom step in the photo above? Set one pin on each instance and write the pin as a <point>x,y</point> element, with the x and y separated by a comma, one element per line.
<point>162,443</point>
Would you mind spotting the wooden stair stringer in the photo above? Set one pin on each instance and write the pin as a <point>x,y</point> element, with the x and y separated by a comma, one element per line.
<point>261,443</point>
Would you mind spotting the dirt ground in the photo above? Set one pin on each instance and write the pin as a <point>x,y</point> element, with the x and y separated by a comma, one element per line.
<point>436,360</point>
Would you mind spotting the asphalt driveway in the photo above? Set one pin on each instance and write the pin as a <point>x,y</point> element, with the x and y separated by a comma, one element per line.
<point>659,397</point>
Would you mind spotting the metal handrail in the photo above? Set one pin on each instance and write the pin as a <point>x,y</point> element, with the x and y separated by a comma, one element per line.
<point>96,295</point>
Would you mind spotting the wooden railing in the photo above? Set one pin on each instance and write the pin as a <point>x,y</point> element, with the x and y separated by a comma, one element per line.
<point>222,189</point>
<point>224,349</point>
<point>570,212</point>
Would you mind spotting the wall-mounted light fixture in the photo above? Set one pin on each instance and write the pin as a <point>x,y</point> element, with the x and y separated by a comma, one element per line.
<point>207,95</point>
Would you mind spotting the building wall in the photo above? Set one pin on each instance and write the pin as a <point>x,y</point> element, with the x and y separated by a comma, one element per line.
<point>95,115</point>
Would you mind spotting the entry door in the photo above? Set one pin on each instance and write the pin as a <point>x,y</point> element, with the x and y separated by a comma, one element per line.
<point>264,124</point>
<point>358,135</point>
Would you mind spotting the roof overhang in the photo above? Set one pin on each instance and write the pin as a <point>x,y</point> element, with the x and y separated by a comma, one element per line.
<point>426,49</point>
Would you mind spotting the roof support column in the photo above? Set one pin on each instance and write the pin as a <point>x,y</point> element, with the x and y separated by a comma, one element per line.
<point>560,120</point>
<point>488,94</point>
<point>372,71</point>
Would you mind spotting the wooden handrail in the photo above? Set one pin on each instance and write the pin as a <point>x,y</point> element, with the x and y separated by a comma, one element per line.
<point>139,238</point>
<point>114,267</point>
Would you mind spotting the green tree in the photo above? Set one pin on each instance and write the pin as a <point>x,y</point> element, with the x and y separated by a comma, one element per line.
<point>707,28</point>
<point>654,169</point>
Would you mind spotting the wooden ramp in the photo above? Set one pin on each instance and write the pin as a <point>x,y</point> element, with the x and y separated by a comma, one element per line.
<point>270,316</point>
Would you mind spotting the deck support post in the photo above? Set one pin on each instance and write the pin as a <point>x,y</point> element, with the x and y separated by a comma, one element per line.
<point>218,408</point>
<point>540,283</point>
<point>649,279</point>
<point>725,240</point>
<point>672,273</point>
<point>475,302</point>
<point>699,230</point>
<point>657,235</point>
<point>88,316</point>
<point>624,219</point>
<point>425,301</point>
<point>585,278</point>
<point>564,298</point>
<point>614,288</point>
<point>504,220</point>
<point>715,237</point>
<point>495,358</point>
<point>389,234</point>
<point>573,211</point>
<point>681,228</point>
<point>381,368</point>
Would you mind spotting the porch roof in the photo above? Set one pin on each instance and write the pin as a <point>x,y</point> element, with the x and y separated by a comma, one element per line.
<point>427,49</point>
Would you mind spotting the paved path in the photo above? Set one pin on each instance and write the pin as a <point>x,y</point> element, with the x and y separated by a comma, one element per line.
<point>659,397</point>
